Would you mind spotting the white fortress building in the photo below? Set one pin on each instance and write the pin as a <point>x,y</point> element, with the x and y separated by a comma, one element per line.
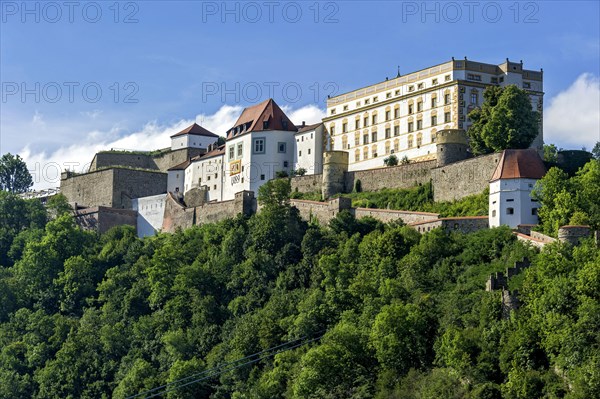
<point>402,115</point>
<point>510,201</point>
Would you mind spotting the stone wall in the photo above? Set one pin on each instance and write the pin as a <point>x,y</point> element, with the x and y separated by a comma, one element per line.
<point>389,215</point>
<point>323,212</point>
<point>107,159</point>
<point>169,159</point>
<point>467,224</point>
<point>401,176</point>
<point>114,187</point>
<point>102,219</point>
<point>151,211</point>
<point>463,178</point>
<point>176,215</point>
<point>307,183</point>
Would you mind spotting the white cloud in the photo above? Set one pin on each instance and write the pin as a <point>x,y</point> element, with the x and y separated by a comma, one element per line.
<point>45,166</point>
<point>572,120</point>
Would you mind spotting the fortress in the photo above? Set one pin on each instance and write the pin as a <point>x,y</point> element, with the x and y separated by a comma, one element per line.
<point>418,119</point>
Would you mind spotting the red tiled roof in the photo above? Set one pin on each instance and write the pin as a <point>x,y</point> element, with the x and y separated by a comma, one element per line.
<point>252,119</point>
<point>195,130</point>
<point>217,151</point>
<point>519,164</point>
<point>302,129</point>
<point>181,166</point>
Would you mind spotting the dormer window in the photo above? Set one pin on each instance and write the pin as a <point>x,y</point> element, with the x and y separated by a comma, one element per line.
<point>265,125</point>
<point>284,124</point>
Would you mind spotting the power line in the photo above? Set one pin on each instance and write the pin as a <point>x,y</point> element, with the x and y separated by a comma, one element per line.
<point>217,370</point>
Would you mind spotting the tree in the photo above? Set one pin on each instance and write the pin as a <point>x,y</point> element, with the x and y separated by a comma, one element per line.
<point>550,153</point>
<point>392,160</point>
<point>505,120</point>
<point>596,150</point>
<point>14,176</point>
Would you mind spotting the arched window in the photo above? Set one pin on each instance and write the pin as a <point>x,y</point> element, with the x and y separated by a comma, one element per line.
<point>356,155</point>
<point>388,146</point>
<point>419,139</point>
<point>356,138</point>
<point>410,141</point>
<point>344,142</point>
<point>366,153</point>
<point>373,150</point>
<point>396,145</point>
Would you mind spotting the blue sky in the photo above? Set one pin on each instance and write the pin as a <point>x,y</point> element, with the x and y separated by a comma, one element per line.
<point>160,65</point>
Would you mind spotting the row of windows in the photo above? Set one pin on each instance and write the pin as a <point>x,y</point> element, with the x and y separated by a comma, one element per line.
<point>511,211</point>
<point>373,120</point>
<point>388,95</point>
<point>410,143</point>
<point>258,147</point>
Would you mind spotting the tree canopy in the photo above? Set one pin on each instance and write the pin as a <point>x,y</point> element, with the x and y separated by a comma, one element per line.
<point>14,175</point>
<point>505,120</point>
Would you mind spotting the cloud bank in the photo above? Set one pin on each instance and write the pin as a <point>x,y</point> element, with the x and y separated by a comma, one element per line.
<point>572,120</point>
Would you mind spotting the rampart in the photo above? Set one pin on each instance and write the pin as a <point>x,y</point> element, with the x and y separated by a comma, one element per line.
<point>466,224</point>
<point>102,219</point>
<point>401,176</point>
<point>162,160</point>
<point>113,187</point>
<point>464,178</point>
<point>307,183</point>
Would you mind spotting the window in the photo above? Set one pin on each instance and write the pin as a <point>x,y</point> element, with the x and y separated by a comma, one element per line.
<point>494,79</point>
<point>262,177</point>
<point>388,132</point>
<point>286,164</point>
<point>388,95</point>
<point>332,129</point>
<point>374,118</point>
<point>410,109</point>
<point>420,86</point>
<point>365,121</point>
<point>434,120</point>
<point>231,152</point>
<point>534,211</point>
<point>510,211</point>
<point>434,82</point>
<point>308,153</point>
<point>410,126</point>
<point>375,99</point>
<point>501,79</point>
<point>447,98</point>
<point>266,124</point>
<point>333,111</point>
<point>494,213</point>
<point>240,149</point>
<point>366,138</point>
<point>397,92</point>
<point>388,115</point>
<point>419,139</point>
<point>356,155</point>
<point>410,141</point>
<point>411,88</point>
<point>447,78</point>
<point>344,127</point>
<point>357,124</point>
<point>396,145</point>
<point>397,113</point>
<point>356,139</point>
<point>396,130</point>
<point>367,101</point>
<point>344,142</point>
<point>300,153</point>
<point>447,117</point>
<point>420,106</point>
<point>358,103</point>
<point>281,147</point>
<point>387,147</point>
<point>258,145</point>
<point>510,200</point>
<point>434,102</point>
<point>345,108</point>
<point>526,85</point>
<point>474,98</point>
<point>374,151</point>
<point>476,78</point>
<point>373,136</point>
<point>366,153</point>
<point>419,124</point>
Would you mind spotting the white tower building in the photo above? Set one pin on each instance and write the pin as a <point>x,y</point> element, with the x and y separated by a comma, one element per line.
<point>510,201</point>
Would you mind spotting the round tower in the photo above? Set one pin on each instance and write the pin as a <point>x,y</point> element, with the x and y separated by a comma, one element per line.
<point>335,164</point>
<point>573,234</point>
<point>451,146</point>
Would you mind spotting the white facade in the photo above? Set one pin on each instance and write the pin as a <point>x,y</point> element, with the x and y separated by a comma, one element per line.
<point>308,152</point>
<point>151,212</point>
<point>179,142</point>
<point>175,180</point>
<point>253,159</point>
<point>206,172</point>
<point>510,202</point>
<point>403,115</point>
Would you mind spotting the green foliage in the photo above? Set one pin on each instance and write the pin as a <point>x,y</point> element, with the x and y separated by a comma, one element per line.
<point>565,200</point>
<point>505,120</point>
<point>392,160</point>
<point>14,175</point>
<point>550,153</point>
<point>357,186</point>
<point>398,314</point>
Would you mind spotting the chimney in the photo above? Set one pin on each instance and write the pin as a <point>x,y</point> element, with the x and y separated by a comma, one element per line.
<point>303,123</point>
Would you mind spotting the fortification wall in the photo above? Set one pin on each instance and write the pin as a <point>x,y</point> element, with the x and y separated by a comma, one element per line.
<point>463,178</point>
<point>388,215</point>
<point>401,176</point>
<point>131,183</point>
<point>322,211</point>
<point>171,158</point>
<point>176,215</point>
<point>107,159</point>
<point>213,212</point>
<point>467,224</point>
<point>90,189</point>
<point>306,184</point>
<point>102,219</point>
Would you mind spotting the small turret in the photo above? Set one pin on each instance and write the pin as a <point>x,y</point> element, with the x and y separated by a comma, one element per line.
<point>335,164</point>
<point>451,145</point>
